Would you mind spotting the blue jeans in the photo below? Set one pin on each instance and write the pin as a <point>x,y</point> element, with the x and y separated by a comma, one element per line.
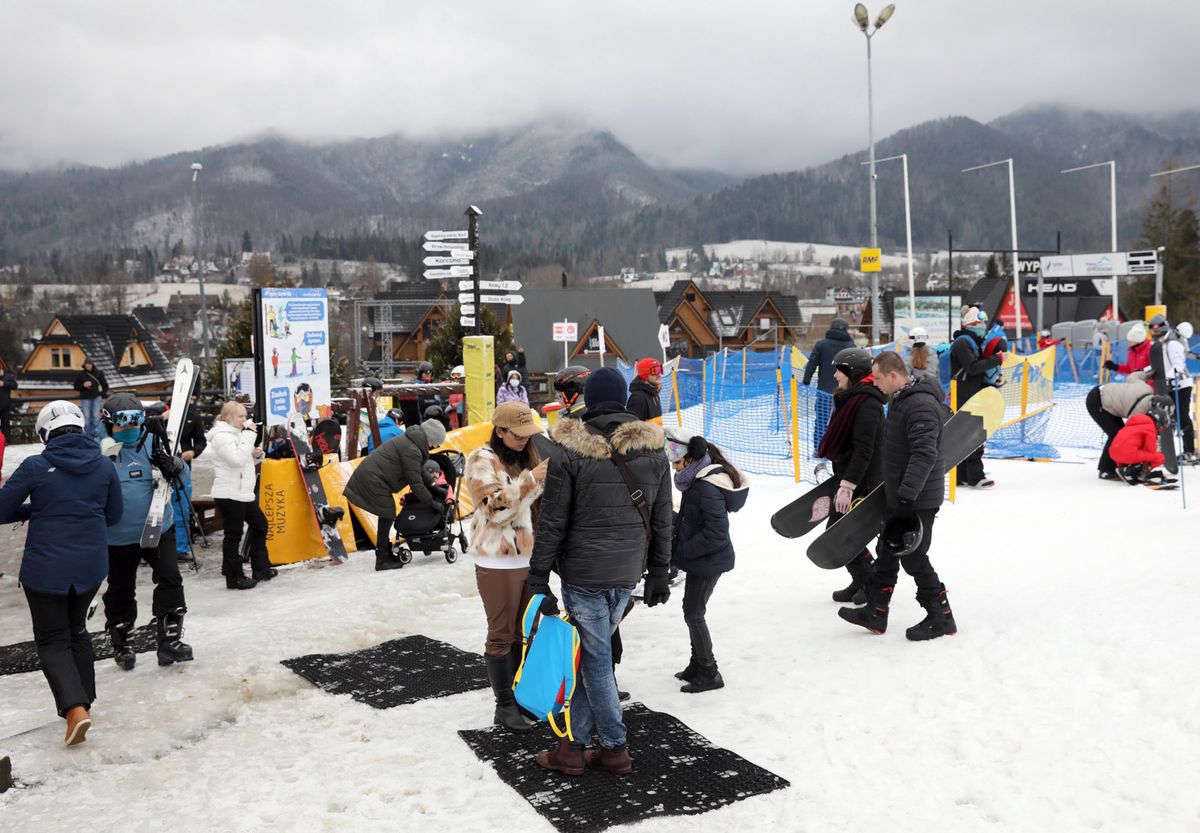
<point>596,612</point>
<point>91,416</point>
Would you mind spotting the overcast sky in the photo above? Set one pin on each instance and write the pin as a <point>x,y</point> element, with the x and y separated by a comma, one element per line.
<point>738,85</point>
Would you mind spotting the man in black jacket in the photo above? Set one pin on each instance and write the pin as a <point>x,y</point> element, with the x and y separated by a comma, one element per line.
<point>968,368</point>
<point>644,401</point>
<point>8,383</point>
<point>820,361</point>
<point>599,537</point>
<point>913,470</point>
<point>93,390</point>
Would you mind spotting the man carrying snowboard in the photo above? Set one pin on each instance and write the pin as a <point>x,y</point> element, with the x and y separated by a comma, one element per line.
<point>913,469</point>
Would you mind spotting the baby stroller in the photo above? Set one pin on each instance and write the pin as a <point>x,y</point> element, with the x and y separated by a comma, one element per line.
<point>429,527</point>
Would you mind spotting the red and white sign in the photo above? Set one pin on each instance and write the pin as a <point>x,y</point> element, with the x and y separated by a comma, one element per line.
<point>1007,314</point>
<point>566,331</point>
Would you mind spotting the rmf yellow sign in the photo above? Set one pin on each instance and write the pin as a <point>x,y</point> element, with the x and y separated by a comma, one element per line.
<point>1155,309</point>
<point>872,260</point>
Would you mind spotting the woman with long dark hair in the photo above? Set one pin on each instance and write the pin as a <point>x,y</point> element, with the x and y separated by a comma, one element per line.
<point>505,480</point>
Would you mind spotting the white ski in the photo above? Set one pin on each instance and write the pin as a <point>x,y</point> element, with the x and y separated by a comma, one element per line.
<point>185,375</point>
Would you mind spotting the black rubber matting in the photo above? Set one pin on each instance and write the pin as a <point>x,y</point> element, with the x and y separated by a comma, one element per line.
<point>396,672</point>
<point>676,772</point>
<point>22,656</point>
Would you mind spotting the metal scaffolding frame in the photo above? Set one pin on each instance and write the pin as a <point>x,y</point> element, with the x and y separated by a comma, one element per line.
<point>383,324</point>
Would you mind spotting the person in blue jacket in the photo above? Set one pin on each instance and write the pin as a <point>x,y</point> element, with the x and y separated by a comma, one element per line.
<point>837,338</point>
<point>73,497</point>
<point>137,453</point>
<point>712,488</point>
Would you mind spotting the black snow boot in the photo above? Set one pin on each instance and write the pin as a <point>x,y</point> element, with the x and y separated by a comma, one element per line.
<point>874,614</point>
<point>688,673</point>
<point>500,675</point>
<point>939,619</point>
<point>385,559</point>
<point>861,569</point>
<point>171,647</point>
<point>123,654</point>
<point>707,678</point>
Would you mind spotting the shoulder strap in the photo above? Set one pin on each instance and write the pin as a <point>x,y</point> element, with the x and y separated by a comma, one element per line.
<point>1136,402</point>
<point>635,492</point>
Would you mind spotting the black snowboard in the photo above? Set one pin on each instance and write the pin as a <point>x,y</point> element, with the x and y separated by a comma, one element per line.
<point>807,512</point>
<point>310,469</point>
<point>964,432</point>
<point>1166,435</point>
<point>327,437</point>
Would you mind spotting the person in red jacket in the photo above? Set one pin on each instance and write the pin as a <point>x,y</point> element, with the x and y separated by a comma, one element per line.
<point>1135,448</point>
<point>1139,351</point>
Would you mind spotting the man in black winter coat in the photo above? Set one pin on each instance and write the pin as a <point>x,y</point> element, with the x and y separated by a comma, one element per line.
<point>820,361</point>
<point>593,532</point>
<point>644,402</point>
<point>8,383</point>
<point>913,474</point>
<point>968,369</point>
<point>93,390</point>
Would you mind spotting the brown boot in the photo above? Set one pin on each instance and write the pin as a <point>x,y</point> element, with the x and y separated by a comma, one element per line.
<point>566,758</point>
<point>78,723</point>
<point>615,760</point>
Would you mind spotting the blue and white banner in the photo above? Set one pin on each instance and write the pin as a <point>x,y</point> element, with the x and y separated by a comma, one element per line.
<point>294,357</point>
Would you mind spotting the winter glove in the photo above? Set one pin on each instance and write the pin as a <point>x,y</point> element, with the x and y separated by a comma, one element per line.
<point>539,583</point>
<point>110,447</point>
<point>1110,365</point>
<point>657,590</point>
<point>904,512</point>
<point>168,464</point>
<point>439,494</point>
<point>844,497</point>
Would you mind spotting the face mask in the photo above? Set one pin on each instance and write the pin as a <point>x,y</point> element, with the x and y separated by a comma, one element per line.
<point>127,436</point>
<point>977,329</point>
<point>514,384</point>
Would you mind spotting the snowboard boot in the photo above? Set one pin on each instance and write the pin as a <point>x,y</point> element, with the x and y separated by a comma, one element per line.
<point>861,569</point>
<point>500,675</point>
<point>171,648</point>
<point>688,673</point>
<point>123,654</point>
<point>385,559</point>
<point>707,678</point>
<point>566,757</point>
<point>78,723</point>
<point>939,619</point>
<point>874,614</point>
<point>239,582</point>
<point>615,760</point>
<point>265,575</point>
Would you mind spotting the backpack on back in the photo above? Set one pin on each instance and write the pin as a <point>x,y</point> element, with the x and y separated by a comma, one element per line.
<point>545,681</point>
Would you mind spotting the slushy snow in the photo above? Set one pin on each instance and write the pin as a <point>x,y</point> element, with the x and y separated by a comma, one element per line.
<point>1067,702</point>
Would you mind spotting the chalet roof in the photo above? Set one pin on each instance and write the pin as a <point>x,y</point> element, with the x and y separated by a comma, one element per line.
<point>732,309</point>
<point>627,315</point>
<point>103,338</point>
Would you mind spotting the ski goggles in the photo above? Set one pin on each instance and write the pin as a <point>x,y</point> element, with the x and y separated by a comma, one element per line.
<point>121,419</point>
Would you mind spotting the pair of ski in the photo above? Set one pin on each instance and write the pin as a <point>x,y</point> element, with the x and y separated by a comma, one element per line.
<point>963,433</point>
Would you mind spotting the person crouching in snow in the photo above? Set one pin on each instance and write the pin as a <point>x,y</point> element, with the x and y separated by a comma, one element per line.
<point>712,488</point>
<point>1135,447</point>
<point>512,390</point>
<point>74,495</point>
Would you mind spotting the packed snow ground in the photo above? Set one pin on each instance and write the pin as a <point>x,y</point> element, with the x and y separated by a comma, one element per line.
<point>1068,701</point>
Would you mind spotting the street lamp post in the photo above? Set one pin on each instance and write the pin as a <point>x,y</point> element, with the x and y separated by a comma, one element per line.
<point>1012,214</point>
<point>1112,189</point>
<point>912,292</point>
<point>196,169</point>
<point>1158,285</point>
<point>862,19</point>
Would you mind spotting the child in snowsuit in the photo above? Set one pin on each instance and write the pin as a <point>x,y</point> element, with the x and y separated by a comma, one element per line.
<point>1135,448</point>
<point>712,488</point>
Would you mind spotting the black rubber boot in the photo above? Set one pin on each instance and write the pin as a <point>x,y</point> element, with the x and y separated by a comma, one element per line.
<point>707,678</point>
<point>688,673</point>
<point>861,569</point>
<point>385,559</point>
<point>939,619</point>
<point>500,675</point>
<point>171,648</point>
<point>123,654</point>
<point>874,614</point>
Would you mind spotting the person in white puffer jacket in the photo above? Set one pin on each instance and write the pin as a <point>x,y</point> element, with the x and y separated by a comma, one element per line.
<point>232,450</point>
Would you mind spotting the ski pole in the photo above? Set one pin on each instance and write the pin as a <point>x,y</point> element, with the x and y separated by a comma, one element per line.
<point>1179,430</point>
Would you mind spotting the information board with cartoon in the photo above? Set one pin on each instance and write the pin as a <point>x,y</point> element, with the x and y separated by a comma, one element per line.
<point>294,359</point>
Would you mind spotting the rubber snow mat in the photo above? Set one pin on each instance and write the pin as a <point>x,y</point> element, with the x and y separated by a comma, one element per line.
<point>676,772</point>
<point>22,656</point>
<point>395,673</point>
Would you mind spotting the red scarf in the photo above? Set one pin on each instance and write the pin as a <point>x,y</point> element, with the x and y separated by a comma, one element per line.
<point>840,425</point>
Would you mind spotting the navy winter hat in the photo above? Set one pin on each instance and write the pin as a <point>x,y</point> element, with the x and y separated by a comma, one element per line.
<point>605,386</point>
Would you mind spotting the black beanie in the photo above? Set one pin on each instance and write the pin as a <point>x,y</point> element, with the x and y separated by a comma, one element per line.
<point>605,387</point>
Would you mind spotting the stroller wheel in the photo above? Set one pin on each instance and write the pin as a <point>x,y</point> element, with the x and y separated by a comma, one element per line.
<point>451,555</point>
<point>404,555</point>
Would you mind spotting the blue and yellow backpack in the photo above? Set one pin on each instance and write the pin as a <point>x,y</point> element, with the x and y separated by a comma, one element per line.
<point>545,682</point>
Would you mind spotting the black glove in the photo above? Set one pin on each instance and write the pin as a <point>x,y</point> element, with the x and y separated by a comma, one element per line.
<point>904,512</point>
<point>540,583</point>
<point>1110,365</point>
<point>169,465</point>
<point>439,494</point>
<point>657,590</point>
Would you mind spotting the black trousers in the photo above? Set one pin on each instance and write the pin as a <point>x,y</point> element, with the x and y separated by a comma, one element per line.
<point>5,423</point>
<point>235,513</point>
<point>383,536</point>
<point>916,563</point>
<point>1108,423</point>
<point>970,470</point>
<point>120,600</point>
<point>64,646</point>
<point>697,590</point>
<point>1185,420</point>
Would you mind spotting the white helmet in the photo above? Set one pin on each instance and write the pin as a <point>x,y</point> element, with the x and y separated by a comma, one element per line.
<point>58,414</point>
<point>458,372</point>
<point>1185,330</point>
<point>918,335</point>
<point>1136,334</point>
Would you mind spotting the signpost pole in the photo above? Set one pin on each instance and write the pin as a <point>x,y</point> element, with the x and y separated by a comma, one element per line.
<point>566,357</point>
<point>1113,209</point>
<point>473,214</point>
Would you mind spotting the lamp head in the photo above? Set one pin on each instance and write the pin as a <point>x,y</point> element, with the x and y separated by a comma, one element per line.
<point>885,15</point>
<point>861,17</point>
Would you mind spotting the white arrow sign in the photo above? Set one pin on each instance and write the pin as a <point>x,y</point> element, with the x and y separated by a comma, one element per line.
<point>434,246</point>
<point>467,309</point>
<point>461,234</point>
<point>499,286</point>
<point>446,274</point>
<point>501,299</point>
<point>449,261</point>
<point>466,322</point>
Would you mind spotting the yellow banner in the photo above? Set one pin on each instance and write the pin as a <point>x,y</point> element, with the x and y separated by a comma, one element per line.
<point>871,260</point>
<point>292,531</point>
<point>479,360</point>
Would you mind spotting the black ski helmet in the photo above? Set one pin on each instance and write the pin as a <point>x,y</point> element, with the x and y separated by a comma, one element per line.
<point>433,412</point>
<point>570,382</point>
<point>1159,326</point>
<point>120,402</point>
<point>901,535</point>
<point>1162,410</point>
<point>396,415</point>
<point>839,324</point>
<point>423,368</point>
<point>854,362</point>
<point>156,408</point>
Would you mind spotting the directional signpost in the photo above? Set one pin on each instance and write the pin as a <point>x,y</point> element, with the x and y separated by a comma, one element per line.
<point>498,286</point>
<point>457,259</point>
<point>460,234</point>
<point>466,321</point>
<point>443,246</point>
<point>468,298</point>
<point>451,272</point>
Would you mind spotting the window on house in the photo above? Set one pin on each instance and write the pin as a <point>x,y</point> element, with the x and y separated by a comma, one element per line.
<point>726,318</point>
<point>60,357</point>
<point>691,296</point>
<point>764,323</point>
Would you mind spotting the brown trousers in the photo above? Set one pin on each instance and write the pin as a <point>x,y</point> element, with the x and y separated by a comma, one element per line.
<point>504,594</point>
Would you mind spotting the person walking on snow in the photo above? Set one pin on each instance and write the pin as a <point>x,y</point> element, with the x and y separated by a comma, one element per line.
<point>913,469</point>
<point>852,442</point>
<point>712,488</point>
<point>820,361</point>
<point>73,496</point>
<point>512,390</point>
<point>644,392</point>
<point>971,369</point>
<point>235,454</point>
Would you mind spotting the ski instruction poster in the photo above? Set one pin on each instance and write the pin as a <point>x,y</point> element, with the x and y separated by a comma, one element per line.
<point>239,378</point>
<point>294,359</point>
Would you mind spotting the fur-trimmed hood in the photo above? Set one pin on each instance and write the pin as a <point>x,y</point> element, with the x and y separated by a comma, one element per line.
<point>630,436</point>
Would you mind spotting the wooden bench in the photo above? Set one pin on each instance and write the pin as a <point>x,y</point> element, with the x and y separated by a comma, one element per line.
<point>210,516</point>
